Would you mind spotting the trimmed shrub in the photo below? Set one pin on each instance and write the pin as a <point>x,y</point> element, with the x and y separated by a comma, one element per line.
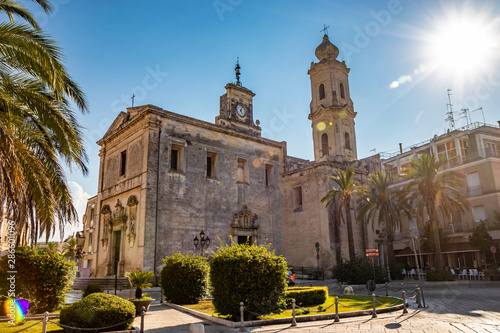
<point>43,278</point>
<point>397,272</point>
<point>250,274</point>
<point>99,310</point>
<point>435,275</point>
<point>358,271</point>
<point>184,279</point>
<point>91,288</point>
<point>307,295</point>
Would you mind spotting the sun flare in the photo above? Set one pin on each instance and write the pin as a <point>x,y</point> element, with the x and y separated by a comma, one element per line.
<point>463,45</point>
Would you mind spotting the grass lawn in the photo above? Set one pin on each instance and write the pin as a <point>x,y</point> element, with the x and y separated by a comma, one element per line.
<point>359,303</point>
<point>5,327</point>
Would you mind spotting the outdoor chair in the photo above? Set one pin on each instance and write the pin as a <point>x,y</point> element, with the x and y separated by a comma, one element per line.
<point>404,272</point>
<point>473,273</point>
<point>413,273</point>
<point>463,275</point>
<point>481,275</point>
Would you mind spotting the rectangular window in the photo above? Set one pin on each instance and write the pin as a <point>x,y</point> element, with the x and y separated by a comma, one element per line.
<point>90,238</point>
<point>491,149</point>
<point>176,157</point>
<point>92,214</point>
<point>211,165</point>
<point>447,151</point>
<point>269,175</point>
<point>473,184</point>
<point>89,263</point>
<point>123,164</point>
<point>242,171</point>
<point>479,213</point>
<point>464,145</point>
<point>297,198</point>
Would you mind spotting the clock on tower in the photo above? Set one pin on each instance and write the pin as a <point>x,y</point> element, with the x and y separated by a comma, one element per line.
<point>235,111</point>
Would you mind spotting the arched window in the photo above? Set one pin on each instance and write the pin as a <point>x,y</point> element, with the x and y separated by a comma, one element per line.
<point>324,144</point>
<point>342,92</point>
<point>347,140</point>
<point>321,91</point>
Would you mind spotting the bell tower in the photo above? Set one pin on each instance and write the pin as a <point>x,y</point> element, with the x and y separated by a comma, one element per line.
<point>235,110</point>
<point>332,111</point>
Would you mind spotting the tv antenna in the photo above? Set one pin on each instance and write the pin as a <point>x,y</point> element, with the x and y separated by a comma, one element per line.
<point>481,108</point>
<point>449,114</point>
<point>464,113</point>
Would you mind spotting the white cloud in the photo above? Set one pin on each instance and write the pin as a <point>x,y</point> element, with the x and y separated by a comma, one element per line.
<point>80,203</point>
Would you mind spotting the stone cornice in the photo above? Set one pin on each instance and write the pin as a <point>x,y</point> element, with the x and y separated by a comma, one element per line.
<point>143,110</point>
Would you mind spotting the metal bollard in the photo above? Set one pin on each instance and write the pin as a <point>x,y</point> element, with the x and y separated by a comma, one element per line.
<point>386,289</point>
<point>142,318</point>
<point>404,303</point>
<point>336,310</point>
<point>242,314</point>
<point>45,320</point>
<point>374,315</point>
<point>402,286</point>
<point>419,300</point>
<point>294,322</point>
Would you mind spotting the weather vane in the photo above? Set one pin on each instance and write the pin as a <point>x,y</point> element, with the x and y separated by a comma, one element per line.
<point>325,29</point>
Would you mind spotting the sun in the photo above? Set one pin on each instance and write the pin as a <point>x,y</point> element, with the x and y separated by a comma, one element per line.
<point>463,45</point>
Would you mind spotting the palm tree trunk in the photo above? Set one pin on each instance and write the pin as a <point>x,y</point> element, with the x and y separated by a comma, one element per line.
<point>438,258</point>
<point>333,226</point>
<point>350,236</point>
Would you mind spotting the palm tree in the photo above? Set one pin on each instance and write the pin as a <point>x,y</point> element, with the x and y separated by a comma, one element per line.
<point>139,280</point>
<point>69,248</point>
<point>434,194</point>
<point>341,198</point>
<point>383,204</point>
<point>37,125</point>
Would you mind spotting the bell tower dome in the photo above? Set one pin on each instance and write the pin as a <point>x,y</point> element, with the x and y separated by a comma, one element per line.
<point>332,111</point>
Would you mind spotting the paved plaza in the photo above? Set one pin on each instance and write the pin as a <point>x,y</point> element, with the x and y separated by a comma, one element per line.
<point>465,306</point>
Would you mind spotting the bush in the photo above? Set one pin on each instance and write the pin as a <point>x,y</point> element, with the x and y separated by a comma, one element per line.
<point>358,271</point>
<point>43,278</point>
<point>307,295</point>
<point>184,279</point>
<point>91,289</point>
<point>397,271</point>
<point>250,274</point>
<point>435,275</point>
<point>99,310</point>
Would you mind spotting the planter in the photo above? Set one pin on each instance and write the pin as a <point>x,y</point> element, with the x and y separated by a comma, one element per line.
<point>140,304</point>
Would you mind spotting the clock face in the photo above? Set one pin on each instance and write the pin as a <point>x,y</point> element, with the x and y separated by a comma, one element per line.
<point>240,110</point>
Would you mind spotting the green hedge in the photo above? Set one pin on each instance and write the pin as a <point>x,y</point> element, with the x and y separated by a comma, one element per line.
<point>99,310</point>
<point>184,279</point>
<point>250,274</point>
<point>307,295</point>
<point>435,275</point>
<point>43,278</point>
<point>358,271</point>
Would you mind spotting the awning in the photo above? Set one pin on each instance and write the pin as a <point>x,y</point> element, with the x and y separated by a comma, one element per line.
<point>407,252</point>
<point>460,247</point>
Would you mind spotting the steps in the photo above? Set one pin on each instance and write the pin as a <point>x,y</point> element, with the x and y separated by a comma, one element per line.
<point>104,282</point>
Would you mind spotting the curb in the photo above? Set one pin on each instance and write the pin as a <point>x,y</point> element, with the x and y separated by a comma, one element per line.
<point>265,322</point>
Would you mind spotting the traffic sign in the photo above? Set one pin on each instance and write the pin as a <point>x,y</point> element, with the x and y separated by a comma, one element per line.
<point>371,251</point>
<point>372,254</point>
<point>493,249</point>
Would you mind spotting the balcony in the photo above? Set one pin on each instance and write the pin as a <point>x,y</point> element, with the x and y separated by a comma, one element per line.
<point>474,191</point>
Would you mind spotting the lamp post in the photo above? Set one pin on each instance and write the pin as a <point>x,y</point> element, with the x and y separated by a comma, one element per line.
<point>202,243</point>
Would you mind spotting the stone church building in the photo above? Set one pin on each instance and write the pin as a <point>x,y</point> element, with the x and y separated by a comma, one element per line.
<point>165,177</point>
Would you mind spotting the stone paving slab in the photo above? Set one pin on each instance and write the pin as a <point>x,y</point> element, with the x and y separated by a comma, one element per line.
<point>452,307</point>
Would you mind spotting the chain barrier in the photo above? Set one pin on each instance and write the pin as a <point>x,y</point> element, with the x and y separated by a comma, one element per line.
<point>309,310</point>
<point>355,306</point>
<point>86,329</point>
<point>395,303</point>
<point>412,297</point>
<point>25,328</point>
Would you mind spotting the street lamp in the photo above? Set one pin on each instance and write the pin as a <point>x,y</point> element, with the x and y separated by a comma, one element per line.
<point>202,243</point>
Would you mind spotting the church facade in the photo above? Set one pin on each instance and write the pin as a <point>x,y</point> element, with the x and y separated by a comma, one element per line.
<point>165,177</point>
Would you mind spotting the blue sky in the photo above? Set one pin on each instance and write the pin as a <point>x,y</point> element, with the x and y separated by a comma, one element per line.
<point>180,54</point>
